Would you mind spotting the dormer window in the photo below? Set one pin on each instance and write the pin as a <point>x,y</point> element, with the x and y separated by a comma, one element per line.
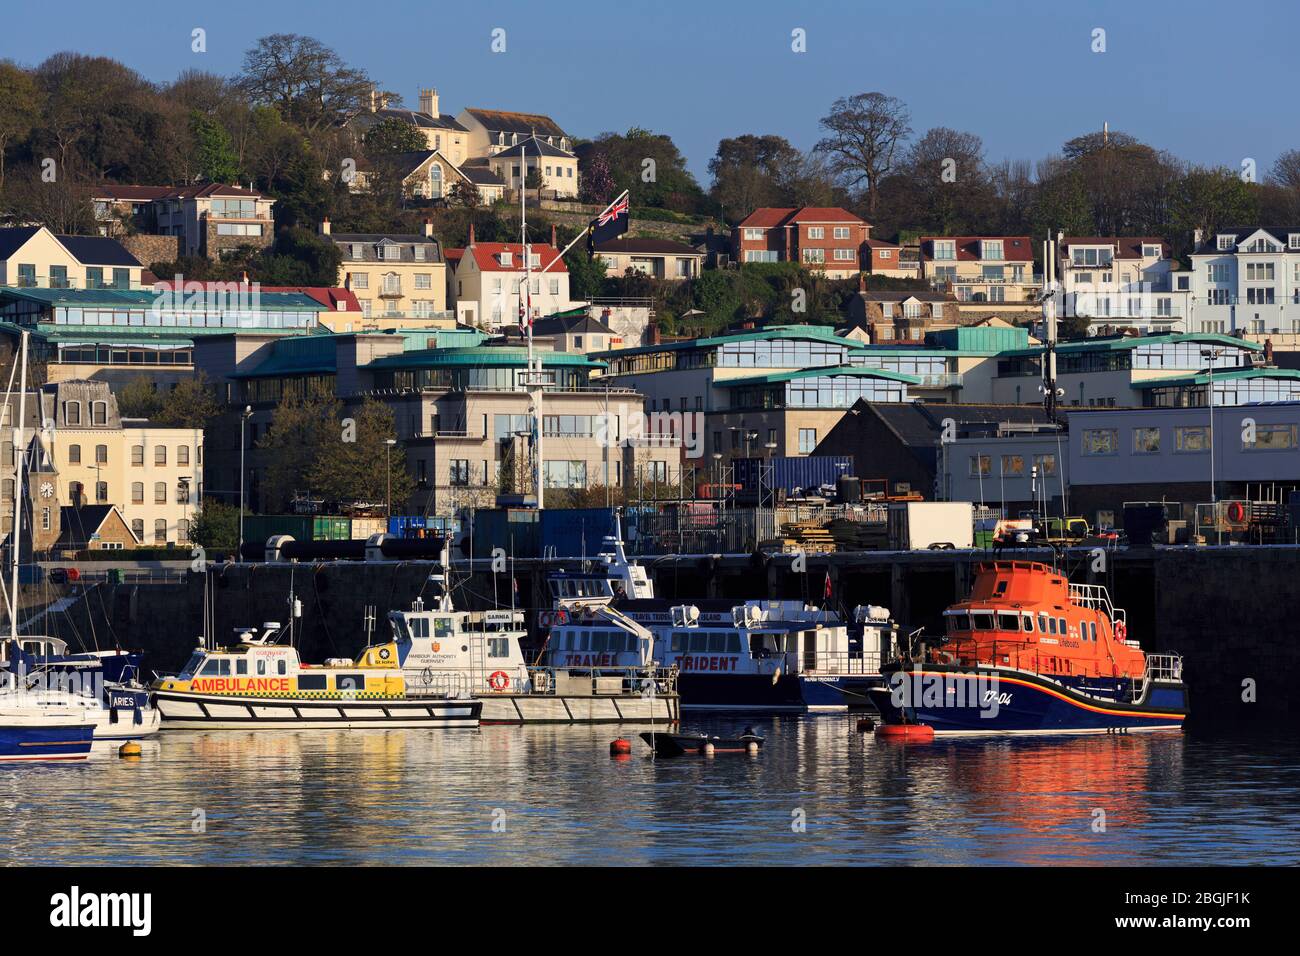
<point>358,251</point>
<point>505,259</point>
<point>991,249</point>
<point>420,254</point>
<point>945,249</point>
<point>1226,243</point>
<point>1151,252</point>
<point>390,251</point>
<point>1293,240</point>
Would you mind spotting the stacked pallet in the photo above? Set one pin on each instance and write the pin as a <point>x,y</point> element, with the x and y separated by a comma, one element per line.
<point>856,535</point>
<point>807,536</point>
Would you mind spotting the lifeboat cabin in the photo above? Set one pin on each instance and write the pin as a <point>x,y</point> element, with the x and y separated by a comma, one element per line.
<point>1028,616</point>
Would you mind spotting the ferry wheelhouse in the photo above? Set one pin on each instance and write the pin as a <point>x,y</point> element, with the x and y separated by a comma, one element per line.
<point>1029,652</point>
<point>256,683</point>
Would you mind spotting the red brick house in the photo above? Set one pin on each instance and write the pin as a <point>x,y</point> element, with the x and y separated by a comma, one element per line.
<point>827,239</point>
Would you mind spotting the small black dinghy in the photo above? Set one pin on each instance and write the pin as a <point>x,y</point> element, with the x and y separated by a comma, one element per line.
<point>674,745</point>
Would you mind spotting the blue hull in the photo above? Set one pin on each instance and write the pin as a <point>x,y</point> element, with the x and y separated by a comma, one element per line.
<point>837,693</point>
<point>69,742</point>
<point>992,701</point>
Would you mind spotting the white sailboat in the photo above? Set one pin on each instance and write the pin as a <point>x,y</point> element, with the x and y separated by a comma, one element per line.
<point>115,711</point>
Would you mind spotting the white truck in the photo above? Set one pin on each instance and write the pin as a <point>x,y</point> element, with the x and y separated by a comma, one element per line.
<point>923,525</point>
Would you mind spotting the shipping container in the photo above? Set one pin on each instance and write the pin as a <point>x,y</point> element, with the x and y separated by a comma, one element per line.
<point>807,473</point>
<point>918,525</point>
<point>514,529</point>
<point>331,528</point>
<point>363,528</point>
<point>574,532</point>
<point>258,528</point>
<point>420,526</point>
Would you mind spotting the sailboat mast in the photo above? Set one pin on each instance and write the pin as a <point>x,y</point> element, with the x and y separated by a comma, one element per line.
<point>534,376</point>
<point>15,538</point>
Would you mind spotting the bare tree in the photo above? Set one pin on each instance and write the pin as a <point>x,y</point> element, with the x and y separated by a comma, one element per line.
<point>306,81</point>
<point>865,132</point>
<point>1286,170</point>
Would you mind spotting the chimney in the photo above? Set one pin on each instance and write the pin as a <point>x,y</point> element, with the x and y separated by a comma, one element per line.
<point>652,334</point>
<point>428,228</point>
<point>325,226</point>
<point>1197,236</point>
<point>554,244</point>
<point>471,234</point>
<point>429,102</point>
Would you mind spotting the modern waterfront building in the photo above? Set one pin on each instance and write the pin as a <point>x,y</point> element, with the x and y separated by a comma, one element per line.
<point>1121,281</point>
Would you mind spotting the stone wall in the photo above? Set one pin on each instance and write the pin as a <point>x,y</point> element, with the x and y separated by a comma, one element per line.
<point>151,249</point>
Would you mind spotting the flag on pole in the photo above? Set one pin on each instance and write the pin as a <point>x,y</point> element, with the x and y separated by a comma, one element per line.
<point>826,592</point>
<point>610,224</point>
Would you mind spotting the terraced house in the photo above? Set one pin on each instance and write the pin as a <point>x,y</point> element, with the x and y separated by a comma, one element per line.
<point>989,275</point>
<point>828,240</point>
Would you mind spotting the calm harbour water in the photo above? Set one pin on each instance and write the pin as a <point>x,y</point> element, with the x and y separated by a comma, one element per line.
<point>430,797</point>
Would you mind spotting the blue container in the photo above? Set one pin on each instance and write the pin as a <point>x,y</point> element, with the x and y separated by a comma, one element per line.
<point>809,472</point>
<point>574,532</point>
<point>514,529</point>
<point>31,574</point>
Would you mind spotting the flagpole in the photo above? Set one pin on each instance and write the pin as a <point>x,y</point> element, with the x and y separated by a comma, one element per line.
<point>525,305</point>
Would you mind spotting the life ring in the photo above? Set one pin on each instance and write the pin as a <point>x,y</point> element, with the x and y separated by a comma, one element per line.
<point>561,617</point>
<point>499,680</point>
<point>426,675</point>
<point>1236,512</point>
<point>1121,631</point>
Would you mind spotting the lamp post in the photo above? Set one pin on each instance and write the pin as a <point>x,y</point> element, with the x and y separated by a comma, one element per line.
<point>388,475</point>
<point>1211,355</point>
<point>244,416</point>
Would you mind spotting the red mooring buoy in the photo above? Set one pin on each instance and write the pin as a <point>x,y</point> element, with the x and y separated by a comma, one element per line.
<point>620,747</point>
<point>920,733</point>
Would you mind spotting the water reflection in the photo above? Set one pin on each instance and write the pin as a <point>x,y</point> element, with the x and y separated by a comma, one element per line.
<point>551,795</point>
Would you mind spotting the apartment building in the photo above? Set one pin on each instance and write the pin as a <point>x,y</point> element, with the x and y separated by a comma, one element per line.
<point>89,456</point>
<point>1121,281</point>
<point>1246,280</point>
<point>207,220</point>
<point>556,168</point>
<point>394,276</point>
<point>32,257</point>
<point>990,275</point>
<point>658,258</point>
<point>891,259</point>
<point>483,283</point>
<point>827,240</point>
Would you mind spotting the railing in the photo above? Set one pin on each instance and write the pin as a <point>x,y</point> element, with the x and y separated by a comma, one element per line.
<point>836,663</point>
<point>1096,596</point>
<point>1163,667</point>
<point>544,681</point>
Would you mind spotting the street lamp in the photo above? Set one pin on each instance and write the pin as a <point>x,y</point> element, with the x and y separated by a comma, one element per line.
<point>1212,355</point>
<point>244,416</point>
<point>388,474</point>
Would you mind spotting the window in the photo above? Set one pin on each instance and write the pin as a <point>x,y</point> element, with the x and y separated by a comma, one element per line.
<point>841,232</point>
<point>74,454</point>
<point>160,454</point>
<point>1272,437</point>
<point>814,255</point>
<point>72,413</point>
<point>459,472</point>
<point>816,232</point>
<point>137,495</point>
<point>980,466</point>
<point>753,235</point>
<point>137,526</point>
<point>160,492</point>
<point>991,249</point>
<point>945,249</point>
<point>423,280</point>
<point>807,440</point>
<point>183,493</point>
<point>137,455</point>
<point>1226,242</point>
<point>183,455</point>
<point>1192,438</point>
<point>566,474</point>
<point>1013,464</point>
<point>160,531</point>
<point>101,454</point>
<point>182,530</point>
<point>99,413</point>
<point>1100,441</point>
<point>1146,441</point>
<point>101,492</point>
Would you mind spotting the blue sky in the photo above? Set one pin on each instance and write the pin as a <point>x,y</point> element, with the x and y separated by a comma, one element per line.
<point>1212,82</point>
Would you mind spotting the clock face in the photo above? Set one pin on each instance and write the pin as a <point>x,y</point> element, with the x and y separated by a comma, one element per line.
<point>47,489</point>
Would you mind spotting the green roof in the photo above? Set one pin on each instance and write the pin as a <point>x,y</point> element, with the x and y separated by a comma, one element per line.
<point>145,298</point>
<point>299,355</point>
<point>484,356</point>
<point>833,371</point>
<point>1203,378</point>
<point>1125,343</point>
<point>814,333</point>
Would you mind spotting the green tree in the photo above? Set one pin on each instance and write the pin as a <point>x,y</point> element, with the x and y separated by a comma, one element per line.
<point>217,160</point>
<point>306,81</point>
<point>300,428</point>
<point>647,164</point>
<point>390,136</point>
<point>1208,199</point>
<point>361,469</point>
<point>865,133</point>
<point>586,273</point>
<point>215,527</point>
<point>19,105</point>
<point>190,404</point>
<point>138,398</point>
<point>747,172</point>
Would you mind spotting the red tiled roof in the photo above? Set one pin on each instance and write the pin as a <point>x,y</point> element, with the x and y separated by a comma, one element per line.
<point>1014,248</point>
<point>486,253</point>
<point>881,244</point>
<point>768,217</point>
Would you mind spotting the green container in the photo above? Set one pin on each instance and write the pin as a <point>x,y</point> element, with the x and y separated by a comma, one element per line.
<point>331,528</point>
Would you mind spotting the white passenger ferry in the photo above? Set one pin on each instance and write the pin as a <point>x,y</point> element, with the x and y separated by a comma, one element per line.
<point>258,684</point>
<point>480,653</point>
<point>751,655</point>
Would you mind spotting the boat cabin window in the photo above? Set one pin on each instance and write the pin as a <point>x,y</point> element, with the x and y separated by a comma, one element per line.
<point>1064,629</point>
<point>216,667</point>
<point>280,668</point>
<point>241,667</point>
<point>1001,589</point>
<point>498,646</point>
<point>311,682</point>
<point>192,665</point>
<point>959,622</point>
<point>763,645</point>
<point>1008,621</point>
<point>419,626</point>
<point>679,641</point>
<point>261,668</point>
<point>981,621</point>
<point>1029,623</point>
<point>442,627</point>
<point>348,682</point>
<point>699,643</point>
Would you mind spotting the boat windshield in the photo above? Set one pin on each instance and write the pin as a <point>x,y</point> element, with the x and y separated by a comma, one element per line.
<point>191,666</point>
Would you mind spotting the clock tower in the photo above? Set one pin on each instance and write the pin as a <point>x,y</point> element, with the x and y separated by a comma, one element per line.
<point>41,521</point>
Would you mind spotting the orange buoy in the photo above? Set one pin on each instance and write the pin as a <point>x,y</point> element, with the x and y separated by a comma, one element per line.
<point>915,732</point>
<point>620,748</point>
